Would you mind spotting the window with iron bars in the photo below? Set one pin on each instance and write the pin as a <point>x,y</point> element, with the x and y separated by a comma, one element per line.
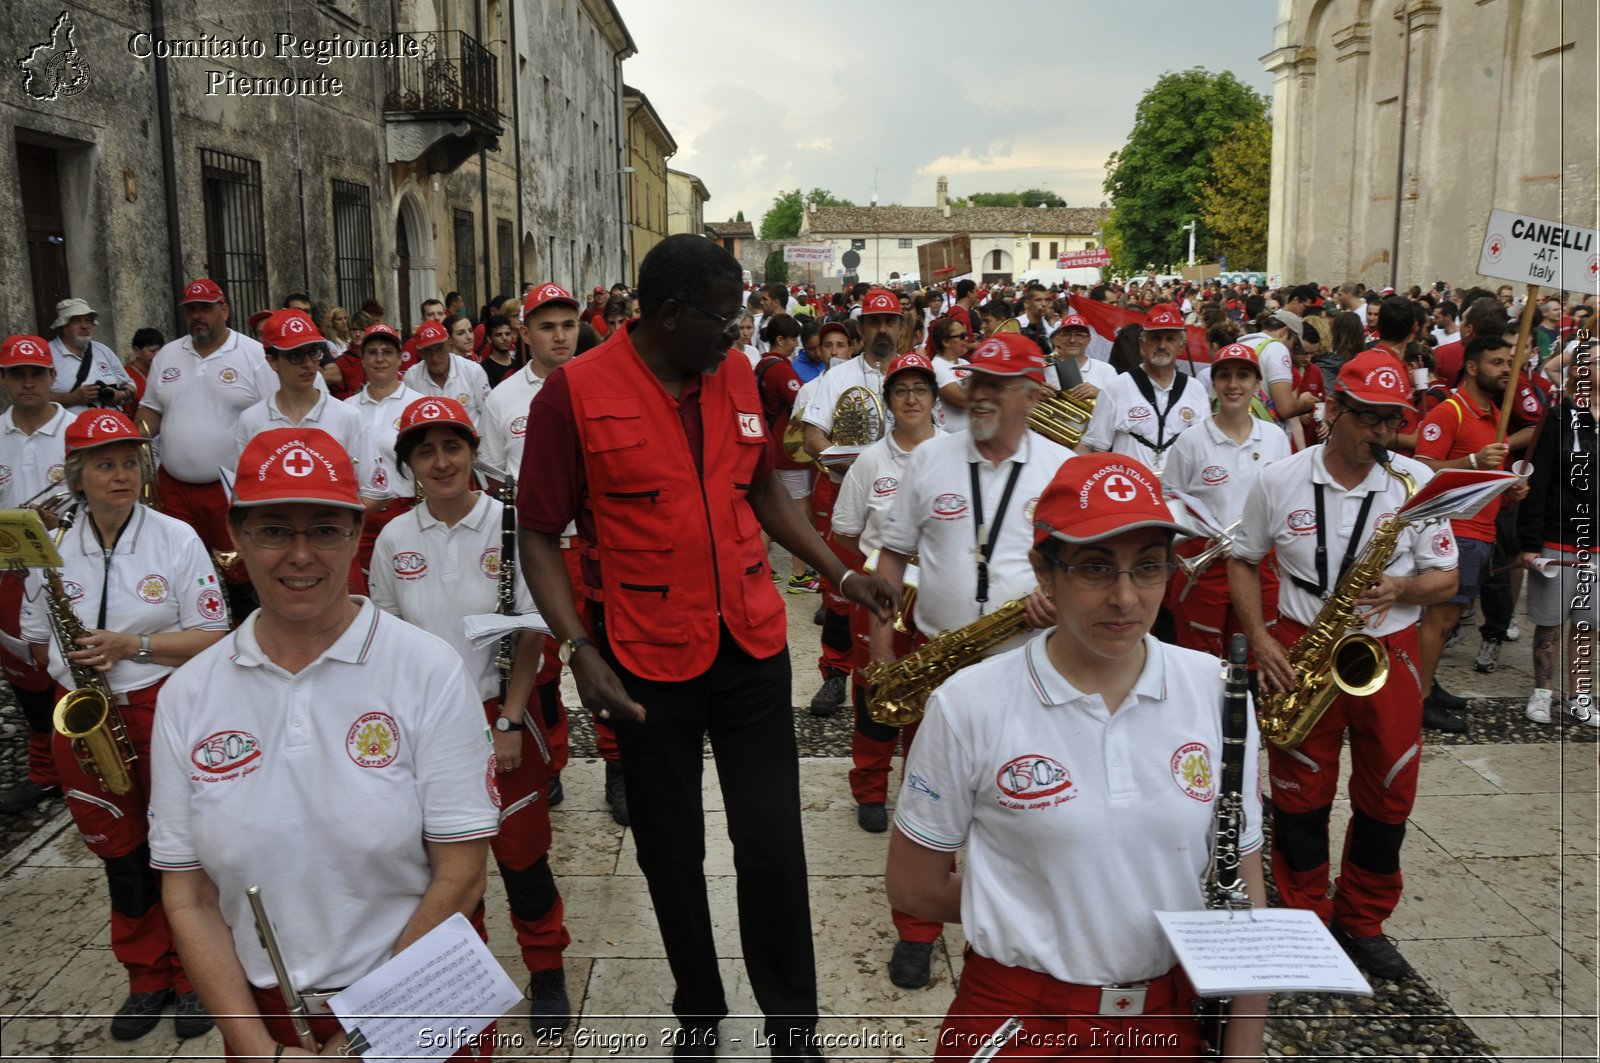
<point>236,239</point>
<point>466,273</point>
<point>352,242</point>
<point>507,255</point>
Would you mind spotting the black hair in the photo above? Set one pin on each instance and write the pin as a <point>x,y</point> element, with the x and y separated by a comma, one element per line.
<point>450,321</point>
<point>408,442</point>
<point>588,338</point>
<point>296,297</point>
<point>965,288</point>
<point>494,321</point>
<point>1482,345</point>
<point>1448,309</point>
<point>683,266</point>
<point>148,337</point>
<point>1396,319</point>
<point>1487,316</point>
<point>808,329</point>
<point>1125,348</point>
<point>779,325</point>
<point>777,292</point>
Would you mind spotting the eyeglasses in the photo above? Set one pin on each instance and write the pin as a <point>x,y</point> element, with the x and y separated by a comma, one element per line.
<point>281,536</point>
<point>910,391</point>
<point>1372,418</point>
<point>956,336</point>
<point>1098,575</point>
<point>728,324</point>
<point>298,356</point>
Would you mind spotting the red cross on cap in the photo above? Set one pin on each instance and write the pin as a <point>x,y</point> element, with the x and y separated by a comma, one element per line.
<point>1120,489</point>
<point>297,462</point>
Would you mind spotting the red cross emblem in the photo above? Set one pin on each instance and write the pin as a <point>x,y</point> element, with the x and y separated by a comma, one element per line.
<point>430,411</point>
<point>1496,246</point>
<point>1123,1004</point>
<point>298,463</point>
<point>1120,489</point>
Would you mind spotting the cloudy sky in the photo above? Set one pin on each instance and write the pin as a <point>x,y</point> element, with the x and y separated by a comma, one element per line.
<point>837,95</point>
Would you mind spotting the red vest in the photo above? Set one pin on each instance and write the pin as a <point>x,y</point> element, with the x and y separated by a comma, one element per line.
<point>680,554</point>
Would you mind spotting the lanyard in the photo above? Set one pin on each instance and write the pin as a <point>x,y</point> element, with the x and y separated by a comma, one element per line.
<point>986,549</point>
<point>1322,544</point>
<point>106,552</point>
<point>1147,388</point>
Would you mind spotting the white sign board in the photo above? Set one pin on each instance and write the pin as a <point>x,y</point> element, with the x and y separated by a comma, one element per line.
<point>802,253</point>
<point>1537,251</point>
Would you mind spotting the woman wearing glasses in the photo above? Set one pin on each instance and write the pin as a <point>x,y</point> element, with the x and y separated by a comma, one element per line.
<point>433,567</point>
<point>143,586</point>
<point>323,751</point>
<point>1079,772</point>
<point>949,340</point>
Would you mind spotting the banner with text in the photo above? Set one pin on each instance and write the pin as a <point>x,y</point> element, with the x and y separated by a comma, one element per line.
<point>1081,259</point>
<point>822,253</point>
<point>1537,251</point>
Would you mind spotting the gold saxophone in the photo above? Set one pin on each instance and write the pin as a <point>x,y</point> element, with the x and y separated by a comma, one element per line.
<point>87,716</point>
<point>1333,656</point>
<point>897,693</point>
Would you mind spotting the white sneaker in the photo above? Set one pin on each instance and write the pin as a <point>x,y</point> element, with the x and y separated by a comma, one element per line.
<point>1538,709</point>
<point>1513,632</point>
<point>1582,708</point>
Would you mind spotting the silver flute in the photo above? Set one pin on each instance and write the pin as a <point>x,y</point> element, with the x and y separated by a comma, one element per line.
<point>291,996</point>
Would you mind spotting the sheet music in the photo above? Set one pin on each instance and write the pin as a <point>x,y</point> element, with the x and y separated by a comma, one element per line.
<point>486,628</point>
<point>446,982</point>
<point>1260,950</point>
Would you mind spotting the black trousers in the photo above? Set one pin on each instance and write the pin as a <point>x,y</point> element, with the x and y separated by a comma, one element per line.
<point>743,704</point>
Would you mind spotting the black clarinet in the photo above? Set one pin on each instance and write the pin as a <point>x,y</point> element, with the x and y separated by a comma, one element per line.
<point>1223,887</point>
<point>506,603</point>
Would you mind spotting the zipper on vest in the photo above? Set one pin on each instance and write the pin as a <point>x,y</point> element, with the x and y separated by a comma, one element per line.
<point>651,495</point>
<point>660,589</point>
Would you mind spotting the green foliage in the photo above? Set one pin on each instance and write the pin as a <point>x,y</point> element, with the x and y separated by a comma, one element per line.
<point>1120,265</point>
<point>782,222</point>
<point>1154,181</point>
<point>776,269</point>
<point>1233,203</point>
<point>739,216</point>
<point>1032,197</point>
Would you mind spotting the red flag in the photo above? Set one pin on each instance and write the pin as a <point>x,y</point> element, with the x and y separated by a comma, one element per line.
<point>1106,320</point>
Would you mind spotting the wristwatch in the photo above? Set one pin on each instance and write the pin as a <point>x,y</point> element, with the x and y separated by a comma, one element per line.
<point>569,649</point>
<point>143,656</point>
<point>506,723</point>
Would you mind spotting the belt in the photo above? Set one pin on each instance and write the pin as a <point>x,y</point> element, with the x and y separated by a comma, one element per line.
<point>316,1000</point>
<point>1155,996</point>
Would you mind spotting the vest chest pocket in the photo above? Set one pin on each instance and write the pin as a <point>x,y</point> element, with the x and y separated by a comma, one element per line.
<point>636,518</point>
<point>613,439</point>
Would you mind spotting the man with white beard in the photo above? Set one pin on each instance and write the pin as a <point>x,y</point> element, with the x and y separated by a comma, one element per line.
<point>84,367</point>
<point>1143,411</point>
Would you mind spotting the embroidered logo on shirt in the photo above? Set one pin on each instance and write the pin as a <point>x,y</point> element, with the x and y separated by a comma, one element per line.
<point>489,562</point>
<point>920,785</point>
<point>1191,770</point>
<point>949,507</point>
<point>380,479</point>
<point>210,604</point>
<point>74,590</point>
<point>56,474</point>
<point>1139,413</point>
<point>885,485</point>
<point>170,373</point>
<point>750,425</point>
<point>373,741</point>
<point>228,375</point>
<point>410,565</point>
<point>1303,522</point>
<point>462,398</point>
<point>1432,432</point>
<point>519,426</point>
<point>489,782</point>
<point>154,588</point>
<point>1027,780</point>
<point>1444,544</point>
<point>1027,510</point>
<point>1187,413</point>
<point>224,753</point>
<point>1214,474</point>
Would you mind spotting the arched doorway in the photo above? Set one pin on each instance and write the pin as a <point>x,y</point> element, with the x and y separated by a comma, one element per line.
<point>414,261</point>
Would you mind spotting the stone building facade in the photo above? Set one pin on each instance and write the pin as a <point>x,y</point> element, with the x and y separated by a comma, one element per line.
<point>1499,106</point>
<point>146,155</point>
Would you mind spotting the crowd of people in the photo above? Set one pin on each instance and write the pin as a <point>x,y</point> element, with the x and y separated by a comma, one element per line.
<point>292,524</point>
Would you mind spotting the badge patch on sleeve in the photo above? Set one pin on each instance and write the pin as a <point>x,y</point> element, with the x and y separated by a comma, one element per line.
<point>750,426</point>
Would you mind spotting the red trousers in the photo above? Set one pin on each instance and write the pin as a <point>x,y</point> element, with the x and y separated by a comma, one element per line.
<point>29,681</point>
<point>114,827</point>
<point>204,507</point>
<point>836,658</point>
<point>1059,1020</point>
<point>1385,731</point>
<point>1204,614</point>
<point>522,849</point>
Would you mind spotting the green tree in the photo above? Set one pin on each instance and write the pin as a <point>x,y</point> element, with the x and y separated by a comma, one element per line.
<point>1032,197</point>
<point>1154,180</point>
<point>1233,203</point>
<point>782,222</point>
<point>776,270</point>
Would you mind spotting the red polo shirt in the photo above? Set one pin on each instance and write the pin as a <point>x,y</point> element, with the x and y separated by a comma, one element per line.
<point>1453,430</point>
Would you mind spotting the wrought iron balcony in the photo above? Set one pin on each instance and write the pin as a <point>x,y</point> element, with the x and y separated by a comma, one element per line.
<point>443,101</point>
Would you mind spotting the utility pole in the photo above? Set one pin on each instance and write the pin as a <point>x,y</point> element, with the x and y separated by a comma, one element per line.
<point>1190,227</point>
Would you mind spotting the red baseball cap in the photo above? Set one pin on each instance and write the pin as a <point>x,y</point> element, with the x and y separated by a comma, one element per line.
<point>833,326</point>
<point>203,290</point>
<point>546,294</point>
<point>598,290</point>
<point>1094,496</point>
<point>1237,352</point>
<point>428,412</point>
<point>911,360</point>
<point>379,331</point>
<point>101,427</point>
<point>1375,378</point>
<point>1074,321</point>
<point>880,301</point>
<point>296,465</point>
<point>1007,354</point>
<point>1162,318</point>
<point>287,329</point>
<point>428,334</point>
<point>259,316</point>
<point>25,350</point>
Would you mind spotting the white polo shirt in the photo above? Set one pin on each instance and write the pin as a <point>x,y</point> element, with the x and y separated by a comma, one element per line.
<point>1277,364</point>
<point>932,515</point>
<point>1122,412</point>
<point>32,461</point>
<point>1079,823</point>
<point>505,421</point>
<point>857,372</point>
<point>341,422</point>
<point>467,383</point>
<point>868,489</point>
<point>432,575</point>
<point>200,399</point>
<point>159,578</point>
<point>948,417</point>
<point>322,787</point>
<point>1281,513</point>
<point>381,476</point>
<point>104,368</point>
<point>1207,465</point>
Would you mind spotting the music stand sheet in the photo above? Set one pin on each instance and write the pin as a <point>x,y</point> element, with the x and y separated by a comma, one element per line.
<point>1260,950</point>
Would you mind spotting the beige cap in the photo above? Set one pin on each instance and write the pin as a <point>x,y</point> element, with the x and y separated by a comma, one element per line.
<point>67,309</point>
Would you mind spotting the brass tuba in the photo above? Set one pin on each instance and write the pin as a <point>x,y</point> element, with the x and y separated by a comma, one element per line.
<point>1332,657</point>
<point>1061,418</point>
<point>87,716</point>
<point>897,693</point>
<point>857,418</point>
